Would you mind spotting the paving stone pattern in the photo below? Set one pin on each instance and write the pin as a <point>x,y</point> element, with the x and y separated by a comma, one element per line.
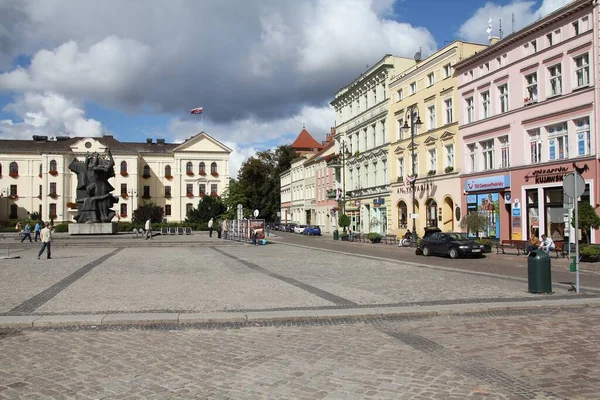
<point>519,355</point>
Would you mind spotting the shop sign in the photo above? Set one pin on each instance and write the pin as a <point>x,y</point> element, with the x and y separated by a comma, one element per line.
<point>378,202</point>
<point>548,175</point>
<point>488,183</point>
<point>418,188</point>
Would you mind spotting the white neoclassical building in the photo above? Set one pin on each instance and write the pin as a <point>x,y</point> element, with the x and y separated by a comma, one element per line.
<point>35,175</point>
<point>361,113</point>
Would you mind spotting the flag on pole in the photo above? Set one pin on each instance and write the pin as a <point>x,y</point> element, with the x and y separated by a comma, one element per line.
<point>489,28</point>
<point>196,110</point>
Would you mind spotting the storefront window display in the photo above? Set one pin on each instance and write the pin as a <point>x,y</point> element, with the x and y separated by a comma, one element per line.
<point>402,215</point>
<point>486,204</point>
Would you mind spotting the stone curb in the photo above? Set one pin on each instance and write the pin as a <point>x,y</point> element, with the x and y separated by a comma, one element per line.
<point>125,319</point>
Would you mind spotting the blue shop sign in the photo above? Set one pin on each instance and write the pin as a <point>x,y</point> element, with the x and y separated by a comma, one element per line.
<point>489,183</point>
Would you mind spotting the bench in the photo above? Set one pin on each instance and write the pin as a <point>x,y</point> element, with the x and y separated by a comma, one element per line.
<point>559,247</point>
<point>391,239</point>
<point>519,245</point>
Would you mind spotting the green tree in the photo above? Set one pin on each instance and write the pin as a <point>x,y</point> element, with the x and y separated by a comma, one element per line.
<point>587,220</point>
<point>148,211</point>
<point>233,196</point>
<point>208,207</point>
<point>344,221</point>
<point>474,222</point>
<point>259,180</point>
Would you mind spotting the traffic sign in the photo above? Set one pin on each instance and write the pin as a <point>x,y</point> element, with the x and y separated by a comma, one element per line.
<point>573,185</point>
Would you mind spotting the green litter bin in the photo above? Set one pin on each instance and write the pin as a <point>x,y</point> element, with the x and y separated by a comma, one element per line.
<point>336,235</point>
<point>538,272</point>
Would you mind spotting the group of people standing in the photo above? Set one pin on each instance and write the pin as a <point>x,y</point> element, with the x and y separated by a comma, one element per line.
<point>42,231</point>
<point>221,228</point>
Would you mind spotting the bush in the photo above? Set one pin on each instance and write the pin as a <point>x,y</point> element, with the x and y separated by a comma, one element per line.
<point>61,228</point>
<point>344,221</point>
<point>485,242</point>
<point>374,236</point>
<point>589,252</point>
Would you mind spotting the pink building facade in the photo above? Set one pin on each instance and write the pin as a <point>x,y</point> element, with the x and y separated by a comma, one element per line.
<point>527,117</point>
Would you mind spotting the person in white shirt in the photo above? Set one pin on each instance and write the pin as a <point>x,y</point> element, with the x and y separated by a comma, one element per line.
<point>148,229</point>
<point>46,237</point>
<point>547,244</point>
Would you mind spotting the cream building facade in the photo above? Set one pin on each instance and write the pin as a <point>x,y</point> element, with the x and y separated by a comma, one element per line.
<point>362,132</point>
<point>35,175</point>
<point>427,90</point>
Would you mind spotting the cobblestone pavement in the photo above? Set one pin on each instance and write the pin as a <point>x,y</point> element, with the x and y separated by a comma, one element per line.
<point>504,355</point>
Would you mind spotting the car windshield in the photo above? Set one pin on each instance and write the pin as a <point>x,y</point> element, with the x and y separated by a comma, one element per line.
<point>458,236</point>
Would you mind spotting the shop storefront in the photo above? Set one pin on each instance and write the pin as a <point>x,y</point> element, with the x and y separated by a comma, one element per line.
<point>544,207</point>
<point>491,197</point>
<point>435,205</point>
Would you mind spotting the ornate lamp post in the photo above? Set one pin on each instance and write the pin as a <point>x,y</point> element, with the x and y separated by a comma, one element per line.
<point>412,112</point>
<point>131,193</point>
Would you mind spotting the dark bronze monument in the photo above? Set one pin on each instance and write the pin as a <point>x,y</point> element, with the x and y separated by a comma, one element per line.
<point>94,198</point>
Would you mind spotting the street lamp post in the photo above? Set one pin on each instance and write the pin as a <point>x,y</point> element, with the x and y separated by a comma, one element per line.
<point>412,112</point>
<point>132,193</point>
<point>343,151</point>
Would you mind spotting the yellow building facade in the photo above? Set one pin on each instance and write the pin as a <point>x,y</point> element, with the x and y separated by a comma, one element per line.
<point>426,91</point>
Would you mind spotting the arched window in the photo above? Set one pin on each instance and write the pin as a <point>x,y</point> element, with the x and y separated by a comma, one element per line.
<point>402,215</point>
<point>202,168</point>
<point>432,212</point>
<point>146,171</point>
<point>213,168</point>
<point>167,170</point>
<point>53,167</point>
<point>13,169</point>
<point>124,168</point>
<point>189,168</point>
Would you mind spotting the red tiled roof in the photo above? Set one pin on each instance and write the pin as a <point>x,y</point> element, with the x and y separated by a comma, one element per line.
<point>305,141</point>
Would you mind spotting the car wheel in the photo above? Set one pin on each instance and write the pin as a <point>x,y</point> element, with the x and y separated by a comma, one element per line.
<point>453,253</point>
<point>426,251</point>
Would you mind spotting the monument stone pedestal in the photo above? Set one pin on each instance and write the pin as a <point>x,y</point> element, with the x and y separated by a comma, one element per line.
<point>94,228</point>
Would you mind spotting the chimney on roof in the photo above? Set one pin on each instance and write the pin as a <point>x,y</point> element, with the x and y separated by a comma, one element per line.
<point>160,141</point>
<point>148,140</point>
<point>494,40</point>
<point>108,136</point>
<point>38,138</point>
<point>62,138</point>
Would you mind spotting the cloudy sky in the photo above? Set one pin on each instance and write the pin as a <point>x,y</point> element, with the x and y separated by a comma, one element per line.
<point>259,68</point>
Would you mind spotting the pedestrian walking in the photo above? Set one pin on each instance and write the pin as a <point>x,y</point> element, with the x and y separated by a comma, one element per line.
<point>27,233</point>
<point>148,229</point>
<point>224,228</point>
<point>219,229</point>
<point>210,227</point>
<point>37,229</point>
<point>46,237</point>
<point>19,229</point>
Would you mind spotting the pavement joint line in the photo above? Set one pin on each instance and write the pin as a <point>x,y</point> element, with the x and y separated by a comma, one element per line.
<point>48,294</point>
<point>294,282</point>
<point>437,267</point>
<point>38,321</point>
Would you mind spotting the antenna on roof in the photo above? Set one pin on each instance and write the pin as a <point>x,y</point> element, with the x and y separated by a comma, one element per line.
<point>489,28</point>
<point>500,20</point>
<point>418,55</point>
<point>513,23</point>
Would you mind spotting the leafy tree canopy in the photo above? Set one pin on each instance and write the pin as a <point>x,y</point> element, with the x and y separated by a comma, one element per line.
<point>474,222</point>
<point>208,207</point>
<point>587,219</point>
<point>148,210</point>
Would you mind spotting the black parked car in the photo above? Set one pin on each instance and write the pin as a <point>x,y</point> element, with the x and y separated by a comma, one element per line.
<point>454,244</point>
<point>428,232</point>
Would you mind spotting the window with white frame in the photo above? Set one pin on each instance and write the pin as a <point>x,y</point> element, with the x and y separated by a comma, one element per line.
<point>470,110</point>
<point>366,169</point>
<point>535,146</point>
<point>400,131</point>
<point>399,95</point>
<point>472,150</point>
<point>487,150</point>
<point>351,176</point>
<point>447,70</point>
<point>558,141</point>
<point>415,164</point>
<point>504,152</point>
<point>485,104</point>
<point>431,115</point>
<point>374,135</point>
<point>375,181</point>
<point>374,95</point>
<point>531,82</point>
<point>432,160</point>
<point>449,156</point>
<point>582,127</point>
<point>383,137</point>
<point>448,106</point>
<point>555,80</point>
<point>366,138</point>
<point>582,70</point>
<point>430,79</point>
<point>384,168</point>
<point>503,92</point>
<point>576,28</point>
<point>401,172</point>
<point>413,88</point>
